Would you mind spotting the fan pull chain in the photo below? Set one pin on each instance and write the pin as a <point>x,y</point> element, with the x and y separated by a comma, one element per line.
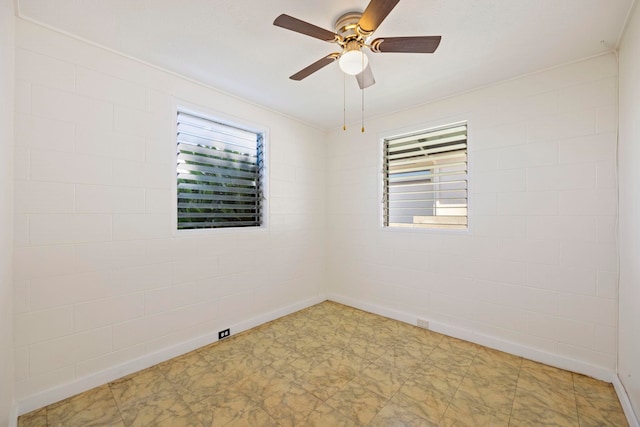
<point>362,110</point>
<point>362,89</point>
<point>344,102</point>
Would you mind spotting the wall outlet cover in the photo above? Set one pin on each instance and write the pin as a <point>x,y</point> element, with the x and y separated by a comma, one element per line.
<point>423,323</point>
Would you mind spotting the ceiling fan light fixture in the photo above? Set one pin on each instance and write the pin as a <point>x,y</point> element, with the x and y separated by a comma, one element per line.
<point>353,62</point>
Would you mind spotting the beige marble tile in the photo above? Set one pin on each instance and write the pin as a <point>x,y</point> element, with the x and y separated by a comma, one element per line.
<point>186,366</point>
<point>431,401</point>
<point>422,345</point>
<point>307,361</point>
<point>262,383</point>
<point>495,373</point>
<point>165,407</point>
<point>341,335</point>
<point>307,342</point>
<point>402,410</point>
<point>139,386</point>
<point>222,351</point>
<point>290,406</point>
<point>240,365</point>
<point>345,363</point>
<point>458,346</point>
<point>37,418</point>
<point>549,408</point>
<point>544,376</point>
<point>290,372</point>
<point>95,407</point>
<point>430,381</point>
<point>594,389</point>
<point>549,385</point>
<point>193,377</point>
<point>194,388</point>
<point>382,379</point>
<point>322,382</point>
<point>224,408</point>
<point>325,416</point>
<point>458,362</point>
<point>357,403</point>
<point>365,348</point>
<point>254,417</point>
<point>277,330</point>
<point>495,366</point>
<point>497,397</point>
<point>462,413</point>
<point>552,420</point>
<point>379,334</point>
<point>419,348</point>
<point>172,420</point>
<point>400,359</point>
<point>490,357</point>
<point>600,412</point>
<point>282,355</point>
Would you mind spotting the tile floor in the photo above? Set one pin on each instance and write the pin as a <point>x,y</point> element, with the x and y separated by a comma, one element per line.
<point>332,365</point>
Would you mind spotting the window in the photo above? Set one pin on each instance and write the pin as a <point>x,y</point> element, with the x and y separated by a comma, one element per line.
<point>219,173</point>
<point>425,179</point>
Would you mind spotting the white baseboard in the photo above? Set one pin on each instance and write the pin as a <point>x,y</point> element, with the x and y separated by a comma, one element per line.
<point>485,340</point>
<point>632,418</point>
<point>79,385</point>
<point>13,416</point>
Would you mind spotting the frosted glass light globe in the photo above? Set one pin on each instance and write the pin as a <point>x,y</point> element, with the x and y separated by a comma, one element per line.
<point>353,62</point>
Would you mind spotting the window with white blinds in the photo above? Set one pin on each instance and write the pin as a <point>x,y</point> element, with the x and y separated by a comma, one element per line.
<point>425,179</point>
<point>219,173</point>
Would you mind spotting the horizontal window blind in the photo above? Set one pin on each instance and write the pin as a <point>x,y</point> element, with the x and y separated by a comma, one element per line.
<point>219,172</point>
<point>425,179</point>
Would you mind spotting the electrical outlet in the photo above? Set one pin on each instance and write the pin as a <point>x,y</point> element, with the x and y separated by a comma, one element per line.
<point>423,323</point>
<point>224,334</point>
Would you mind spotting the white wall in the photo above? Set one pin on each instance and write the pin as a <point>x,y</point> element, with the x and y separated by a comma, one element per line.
<point>536,272</point>
<point>629,229</point>
<point>100,279</point>
<point>6,209</point>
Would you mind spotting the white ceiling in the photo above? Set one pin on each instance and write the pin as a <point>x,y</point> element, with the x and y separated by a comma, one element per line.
<point>232,45</point>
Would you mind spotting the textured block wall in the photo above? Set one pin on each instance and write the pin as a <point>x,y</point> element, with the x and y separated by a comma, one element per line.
<point>101,278</point>
<point>537,267</point>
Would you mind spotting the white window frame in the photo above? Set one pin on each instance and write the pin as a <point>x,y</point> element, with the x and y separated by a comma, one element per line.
<point>222,118</point>
<point>412,130</point>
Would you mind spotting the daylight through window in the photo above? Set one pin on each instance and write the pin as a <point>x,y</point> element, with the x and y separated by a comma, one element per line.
<point>219,173</point>
<point>425,179</point>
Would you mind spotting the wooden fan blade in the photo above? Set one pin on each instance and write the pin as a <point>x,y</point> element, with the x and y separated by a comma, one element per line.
<point>365,78</point>
<point>306,72</point>
<point>295,24</point>
<point>424,44</point>
<point>375,13</point>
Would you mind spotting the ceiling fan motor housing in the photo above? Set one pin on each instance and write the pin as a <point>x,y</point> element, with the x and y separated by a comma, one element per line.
<point>347,27</point>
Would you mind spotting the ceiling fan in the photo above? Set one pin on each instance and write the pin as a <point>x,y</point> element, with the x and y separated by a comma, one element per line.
<point>352,32</point>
